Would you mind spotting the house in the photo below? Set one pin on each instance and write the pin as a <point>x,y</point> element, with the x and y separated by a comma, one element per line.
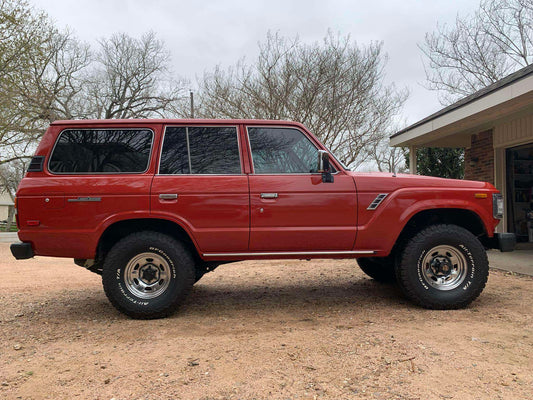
<point>5,203</point>
<point>495,127</point>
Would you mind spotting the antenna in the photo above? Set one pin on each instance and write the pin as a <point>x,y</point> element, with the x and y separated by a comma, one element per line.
<point>192,104</point>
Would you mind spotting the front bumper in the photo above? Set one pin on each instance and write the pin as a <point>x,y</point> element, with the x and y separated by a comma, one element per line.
<point>22,250</point>
<point>505,242</point>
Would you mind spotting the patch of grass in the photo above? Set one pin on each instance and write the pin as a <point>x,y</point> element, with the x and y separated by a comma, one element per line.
<point>3,227</point>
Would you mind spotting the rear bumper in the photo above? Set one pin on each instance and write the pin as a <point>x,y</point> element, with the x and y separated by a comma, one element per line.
<point>503,241</point>
<point>22,250</point>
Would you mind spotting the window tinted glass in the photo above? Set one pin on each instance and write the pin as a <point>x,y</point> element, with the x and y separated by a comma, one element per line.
<point>282,151</point>
<point>174,157</point>
<point>102,151</point>
<point>212,150</point>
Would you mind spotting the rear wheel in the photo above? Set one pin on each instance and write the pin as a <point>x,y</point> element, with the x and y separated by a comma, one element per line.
<point>379,269</point>
<point>443,267</point>
<point>147,275</point>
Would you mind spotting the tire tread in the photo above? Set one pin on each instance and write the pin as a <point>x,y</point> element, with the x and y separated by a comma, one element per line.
<point>408,287</point>
<point>113,258</point>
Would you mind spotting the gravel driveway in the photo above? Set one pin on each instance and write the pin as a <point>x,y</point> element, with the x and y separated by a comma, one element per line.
<point>260,330</point>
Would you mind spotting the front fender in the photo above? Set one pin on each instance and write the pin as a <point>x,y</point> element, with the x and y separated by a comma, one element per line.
<point>379,229</point>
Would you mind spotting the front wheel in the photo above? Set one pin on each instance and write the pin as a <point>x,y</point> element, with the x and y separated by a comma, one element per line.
<point>147,275</point>
<point>443,267</point>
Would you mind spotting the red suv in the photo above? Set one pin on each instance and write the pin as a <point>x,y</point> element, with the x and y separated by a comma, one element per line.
<point>152,205</point>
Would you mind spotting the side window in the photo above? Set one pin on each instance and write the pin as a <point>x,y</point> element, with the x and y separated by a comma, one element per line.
<point>200,150</point>
<point>112,151</point>
<point>282,151</point>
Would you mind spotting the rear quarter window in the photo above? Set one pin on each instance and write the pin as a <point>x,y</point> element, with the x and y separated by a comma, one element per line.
<point>101,151</point>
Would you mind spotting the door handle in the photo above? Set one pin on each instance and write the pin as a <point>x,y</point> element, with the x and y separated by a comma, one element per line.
<point>269,195</point>
<point>168,196</point>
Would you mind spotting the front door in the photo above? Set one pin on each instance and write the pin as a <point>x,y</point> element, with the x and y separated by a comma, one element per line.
<point>291,209</point>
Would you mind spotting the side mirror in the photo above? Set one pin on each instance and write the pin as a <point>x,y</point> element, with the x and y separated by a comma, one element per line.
<point>323,166</point>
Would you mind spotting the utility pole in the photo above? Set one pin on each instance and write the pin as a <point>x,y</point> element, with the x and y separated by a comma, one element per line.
<point>192,103</point>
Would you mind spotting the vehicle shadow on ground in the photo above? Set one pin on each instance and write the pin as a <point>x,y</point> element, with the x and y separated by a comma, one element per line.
<point>232,300</point>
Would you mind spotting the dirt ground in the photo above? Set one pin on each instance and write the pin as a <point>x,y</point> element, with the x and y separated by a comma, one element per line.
<point>260,330</point>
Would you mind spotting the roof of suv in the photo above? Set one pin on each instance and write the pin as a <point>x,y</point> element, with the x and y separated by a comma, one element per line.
<point>175,121</point>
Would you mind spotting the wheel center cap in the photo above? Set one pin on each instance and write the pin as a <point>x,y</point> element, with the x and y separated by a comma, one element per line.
<point>149,274</point>
<point>441,266</point>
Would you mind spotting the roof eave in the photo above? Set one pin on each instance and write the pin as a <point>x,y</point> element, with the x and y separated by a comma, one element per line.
<point>464,117</point>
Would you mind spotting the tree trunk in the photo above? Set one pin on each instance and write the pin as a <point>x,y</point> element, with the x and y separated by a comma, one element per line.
<point>10,216</point>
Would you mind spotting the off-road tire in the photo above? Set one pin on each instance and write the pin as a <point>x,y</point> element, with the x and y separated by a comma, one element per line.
<point>379,269</point>
<point>449,247</point>
<point>198,274</point>
<point>165,257</point>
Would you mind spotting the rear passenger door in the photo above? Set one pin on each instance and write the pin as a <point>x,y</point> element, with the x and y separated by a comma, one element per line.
<point>201,185</point>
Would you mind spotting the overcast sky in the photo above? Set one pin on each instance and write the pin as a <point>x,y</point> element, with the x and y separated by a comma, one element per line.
<point>201,35</point>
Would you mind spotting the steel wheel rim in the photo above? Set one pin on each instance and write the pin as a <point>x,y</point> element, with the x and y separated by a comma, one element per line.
<point>147,275</point>
<point>444,267</point>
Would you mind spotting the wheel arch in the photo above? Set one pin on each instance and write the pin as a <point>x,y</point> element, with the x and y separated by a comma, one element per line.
<point>119,229</point>
<point>464,218</point>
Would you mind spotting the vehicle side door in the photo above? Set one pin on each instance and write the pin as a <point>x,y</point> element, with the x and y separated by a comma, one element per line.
<point>200,184</point>
<point>291,208</point>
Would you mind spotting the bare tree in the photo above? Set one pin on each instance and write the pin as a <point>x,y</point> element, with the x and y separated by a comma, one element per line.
<point>389,159</point>
<point>480,49</point>
<point>46,74</point>
<point>24,36</point>
<point>54,85</point>
<point>335,88</point>
<point>132,79</point>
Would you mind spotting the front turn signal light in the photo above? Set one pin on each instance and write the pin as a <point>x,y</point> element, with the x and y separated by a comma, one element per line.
<point>497,205</point>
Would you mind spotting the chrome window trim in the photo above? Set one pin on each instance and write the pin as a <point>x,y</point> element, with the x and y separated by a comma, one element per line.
<point>101,173</point>
<point>189,153</point>
<point>282,173</point>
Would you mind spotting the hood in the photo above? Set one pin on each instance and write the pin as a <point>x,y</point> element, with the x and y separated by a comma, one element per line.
<point>389,181</point>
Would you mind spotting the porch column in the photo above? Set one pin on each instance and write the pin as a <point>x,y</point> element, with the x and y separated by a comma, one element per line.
<point>412,160</point>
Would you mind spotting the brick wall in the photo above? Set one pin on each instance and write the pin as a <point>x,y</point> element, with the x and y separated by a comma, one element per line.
<point>479,158</point>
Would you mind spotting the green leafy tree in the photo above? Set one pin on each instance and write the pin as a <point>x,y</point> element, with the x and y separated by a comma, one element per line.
<point>441,162</point>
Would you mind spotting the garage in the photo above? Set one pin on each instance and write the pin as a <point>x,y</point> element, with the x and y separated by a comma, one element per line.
<point>495,127</point>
